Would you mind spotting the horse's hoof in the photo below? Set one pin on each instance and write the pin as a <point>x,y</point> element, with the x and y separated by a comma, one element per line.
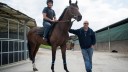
<point>66,70</point>
<point>53,71</point>
<point>35,69</point>
<point>52,67</point>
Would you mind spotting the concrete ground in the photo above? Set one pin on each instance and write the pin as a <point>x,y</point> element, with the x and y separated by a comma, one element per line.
<point>102,62</point>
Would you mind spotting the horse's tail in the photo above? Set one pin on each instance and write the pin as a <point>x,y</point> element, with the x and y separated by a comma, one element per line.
<point>29,50</point>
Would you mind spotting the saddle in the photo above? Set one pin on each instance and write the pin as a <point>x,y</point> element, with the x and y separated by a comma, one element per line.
<point>41,31</point>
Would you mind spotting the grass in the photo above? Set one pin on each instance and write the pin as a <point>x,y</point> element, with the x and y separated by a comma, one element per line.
<point>45,46</point>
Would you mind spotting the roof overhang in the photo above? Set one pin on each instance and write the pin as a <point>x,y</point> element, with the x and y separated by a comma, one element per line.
<point>10,13</point>
<point>124,21</point>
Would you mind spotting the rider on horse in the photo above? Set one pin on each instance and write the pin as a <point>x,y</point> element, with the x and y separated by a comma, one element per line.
<point>49,17</point>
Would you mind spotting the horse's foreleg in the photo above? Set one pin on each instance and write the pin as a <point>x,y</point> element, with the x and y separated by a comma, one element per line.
<point>63,51</point>
<point>53,57</point>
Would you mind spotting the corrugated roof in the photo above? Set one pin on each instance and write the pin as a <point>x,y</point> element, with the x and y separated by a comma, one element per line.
<point>114,25</point>
<point>8,12</point>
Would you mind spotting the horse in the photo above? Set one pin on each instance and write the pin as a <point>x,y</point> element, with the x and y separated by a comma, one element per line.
<point>58,37</point>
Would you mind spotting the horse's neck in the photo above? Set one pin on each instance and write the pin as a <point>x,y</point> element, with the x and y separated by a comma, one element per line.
<point>64,26</point>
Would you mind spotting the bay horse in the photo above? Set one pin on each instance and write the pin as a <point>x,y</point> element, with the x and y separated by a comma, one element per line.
<point>59,35</point>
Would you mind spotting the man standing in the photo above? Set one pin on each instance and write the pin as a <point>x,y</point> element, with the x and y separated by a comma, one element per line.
<point>87,41</point>
<point>49,17</point>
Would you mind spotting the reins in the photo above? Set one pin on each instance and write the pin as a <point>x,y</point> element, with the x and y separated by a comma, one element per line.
<point>65,21</point>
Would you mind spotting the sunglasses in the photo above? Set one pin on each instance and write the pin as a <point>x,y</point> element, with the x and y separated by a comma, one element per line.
<point>85,23</point>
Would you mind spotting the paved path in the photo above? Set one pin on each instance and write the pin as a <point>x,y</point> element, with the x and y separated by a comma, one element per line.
<point>102,62</point>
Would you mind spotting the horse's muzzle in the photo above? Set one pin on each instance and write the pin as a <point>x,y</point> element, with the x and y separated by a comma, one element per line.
<point>79,18</point>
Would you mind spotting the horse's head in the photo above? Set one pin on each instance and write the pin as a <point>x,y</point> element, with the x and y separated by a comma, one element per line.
<point>73,11</point>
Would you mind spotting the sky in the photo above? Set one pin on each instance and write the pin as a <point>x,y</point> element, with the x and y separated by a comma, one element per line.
<point>99,13</point>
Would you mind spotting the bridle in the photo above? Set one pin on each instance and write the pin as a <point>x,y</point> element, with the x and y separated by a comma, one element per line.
<point>65,21</point>
<point>74,16</point>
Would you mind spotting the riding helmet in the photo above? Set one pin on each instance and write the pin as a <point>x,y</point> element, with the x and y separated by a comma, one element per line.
<point>49,1</point>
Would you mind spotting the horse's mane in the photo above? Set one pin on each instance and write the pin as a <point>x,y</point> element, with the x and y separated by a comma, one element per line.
<point>62,15</point>
<point>60,18</point>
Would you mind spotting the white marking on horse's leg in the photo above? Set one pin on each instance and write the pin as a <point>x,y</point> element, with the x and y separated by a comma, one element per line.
<point>34,66</point>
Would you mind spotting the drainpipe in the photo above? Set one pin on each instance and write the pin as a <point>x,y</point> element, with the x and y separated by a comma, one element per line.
<point>109,41</point>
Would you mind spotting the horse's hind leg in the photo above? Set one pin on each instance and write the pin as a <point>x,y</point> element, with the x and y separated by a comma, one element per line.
<point>34,55</point>
<point>63,51</point>
<point>31,48</point>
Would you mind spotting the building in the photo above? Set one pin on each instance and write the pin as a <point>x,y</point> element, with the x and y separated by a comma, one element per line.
<point>13,28</point>
<point>113,37</point>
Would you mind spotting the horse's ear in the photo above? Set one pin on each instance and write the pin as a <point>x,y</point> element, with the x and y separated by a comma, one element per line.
<point>76,2</point>
<point>70,2</point>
